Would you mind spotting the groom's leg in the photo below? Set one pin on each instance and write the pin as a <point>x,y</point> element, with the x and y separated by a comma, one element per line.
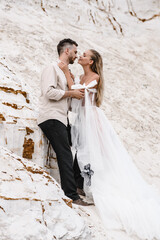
<point>77,174</point>
<point>56,132</point>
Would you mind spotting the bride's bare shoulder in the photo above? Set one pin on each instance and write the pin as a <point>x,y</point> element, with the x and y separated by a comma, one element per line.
<point>95,77</point>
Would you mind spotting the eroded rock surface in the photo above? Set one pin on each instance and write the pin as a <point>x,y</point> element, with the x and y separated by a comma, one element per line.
<point>126,33</point>
<point>32,204</point>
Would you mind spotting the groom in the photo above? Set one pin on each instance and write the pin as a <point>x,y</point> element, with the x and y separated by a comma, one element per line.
<point>53,109</point>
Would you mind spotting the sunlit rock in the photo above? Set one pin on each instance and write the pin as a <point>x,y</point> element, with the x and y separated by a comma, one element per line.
<point>32,204</point>
<point>125,32</point>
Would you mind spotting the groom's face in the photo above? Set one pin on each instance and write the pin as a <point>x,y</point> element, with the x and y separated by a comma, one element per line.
<point>72,54</point>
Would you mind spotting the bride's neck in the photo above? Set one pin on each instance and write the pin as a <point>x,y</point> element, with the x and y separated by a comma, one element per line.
<point>87,70</point>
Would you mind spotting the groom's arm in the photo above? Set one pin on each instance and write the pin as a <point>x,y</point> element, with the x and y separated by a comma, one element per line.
<point>76,93</point>
<point>49,86</point>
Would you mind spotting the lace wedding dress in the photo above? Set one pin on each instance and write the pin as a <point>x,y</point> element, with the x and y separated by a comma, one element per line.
<point>123,199</point>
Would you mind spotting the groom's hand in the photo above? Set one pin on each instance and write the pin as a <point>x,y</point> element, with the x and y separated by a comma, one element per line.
<point>78,93</point>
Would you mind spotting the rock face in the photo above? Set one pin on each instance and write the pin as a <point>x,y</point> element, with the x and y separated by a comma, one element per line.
<point>127,35</point>
<point>32,204</point>
<point>19,131</point>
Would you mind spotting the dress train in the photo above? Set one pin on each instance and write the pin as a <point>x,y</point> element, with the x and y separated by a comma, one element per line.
<point>123,199</point>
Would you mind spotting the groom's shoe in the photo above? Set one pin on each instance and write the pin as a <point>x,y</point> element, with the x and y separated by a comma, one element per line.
<point>81,192</point>
<point>81,202</point>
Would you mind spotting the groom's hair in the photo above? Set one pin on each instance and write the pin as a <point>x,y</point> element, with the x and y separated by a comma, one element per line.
<point>63,44</point>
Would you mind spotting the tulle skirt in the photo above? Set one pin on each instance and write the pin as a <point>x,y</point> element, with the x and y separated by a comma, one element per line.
<point>123,199</point>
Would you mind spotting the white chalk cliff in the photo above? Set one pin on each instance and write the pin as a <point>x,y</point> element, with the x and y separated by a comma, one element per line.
<point>32,204</point>
<point>126,33</point>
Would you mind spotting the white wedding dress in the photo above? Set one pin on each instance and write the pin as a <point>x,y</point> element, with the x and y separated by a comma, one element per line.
<point>123,199</point>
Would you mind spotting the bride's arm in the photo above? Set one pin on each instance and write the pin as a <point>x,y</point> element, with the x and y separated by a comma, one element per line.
<point>65,69</point>
<point>69,79</point>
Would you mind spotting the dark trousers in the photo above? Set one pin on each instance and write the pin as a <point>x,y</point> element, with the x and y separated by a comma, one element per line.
<point>57,134</point>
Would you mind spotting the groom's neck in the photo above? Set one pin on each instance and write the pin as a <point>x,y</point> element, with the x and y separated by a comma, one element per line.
<point>64,59</point>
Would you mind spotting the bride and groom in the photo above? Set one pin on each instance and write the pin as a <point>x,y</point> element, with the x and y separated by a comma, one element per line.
<point>123,199</point>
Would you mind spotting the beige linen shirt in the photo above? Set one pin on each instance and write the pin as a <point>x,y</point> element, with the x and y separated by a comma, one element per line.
<point>53,87</point>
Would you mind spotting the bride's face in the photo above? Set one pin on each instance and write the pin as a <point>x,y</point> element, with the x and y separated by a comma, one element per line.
<point>85,58</point>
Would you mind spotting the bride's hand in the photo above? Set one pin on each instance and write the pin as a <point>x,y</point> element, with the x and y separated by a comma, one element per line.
<point>63,66</point>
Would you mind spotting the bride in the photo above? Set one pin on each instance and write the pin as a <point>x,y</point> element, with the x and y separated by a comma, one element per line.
<point>123,199</point>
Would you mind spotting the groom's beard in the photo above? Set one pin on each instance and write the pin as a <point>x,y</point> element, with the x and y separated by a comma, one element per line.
<point>71,60</point>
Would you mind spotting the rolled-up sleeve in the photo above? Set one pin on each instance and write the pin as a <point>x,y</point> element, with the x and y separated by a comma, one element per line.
<point>49,84</point>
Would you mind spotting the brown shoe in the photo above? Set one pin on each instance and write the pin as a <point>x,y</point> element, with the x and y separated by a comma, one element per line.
<point>82,203</point>
<point>81,192</point>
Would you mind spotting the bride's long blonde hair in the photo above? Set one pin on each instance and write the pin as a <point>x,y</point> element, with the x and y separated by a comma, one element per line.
<point>97,67</point>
